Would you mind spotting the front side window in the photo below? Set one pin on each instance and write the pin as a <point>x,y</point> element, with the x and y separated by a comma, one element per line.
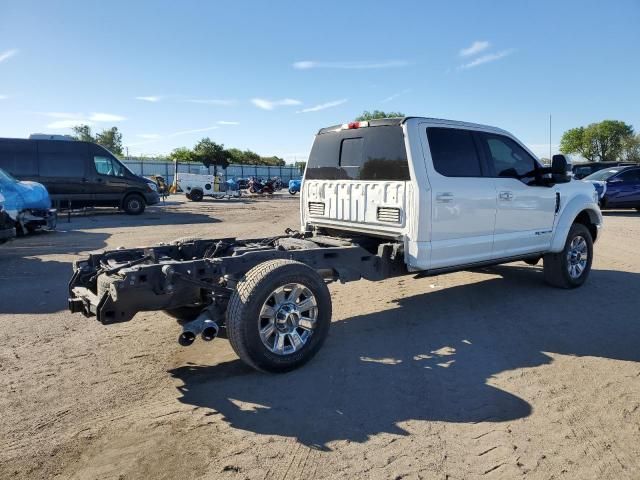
<point>603,174</point>
<point>507,157</point>
<point>629,176</point>
<point>453,152</point>
<point>107,166</point>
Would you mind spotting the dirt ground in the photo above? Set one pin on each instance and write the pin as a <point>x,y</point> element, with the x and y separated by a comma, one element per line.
<point>486,374</point>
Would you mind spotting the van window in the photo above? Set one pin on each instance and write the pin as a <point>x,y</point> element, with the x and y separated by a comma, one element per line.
<point>453,152</point>
<point>19,157</point>
<point>369,153</point>
<point>507,157</point>
<point>108,166</point>
<point>61,158</point>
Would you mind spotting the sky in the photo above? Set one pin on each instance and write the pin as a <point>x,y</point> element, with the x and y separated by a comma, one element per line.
<point>267,75</point>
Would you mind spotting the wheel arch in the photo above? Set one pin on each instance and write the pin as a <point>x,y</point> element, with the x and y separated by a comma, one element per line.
<point>580,211</point>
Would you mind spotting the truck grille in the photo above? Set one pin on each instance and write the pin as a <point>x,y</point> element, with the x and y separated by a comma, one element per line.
<point>316,209</point>
<point>388,215</point>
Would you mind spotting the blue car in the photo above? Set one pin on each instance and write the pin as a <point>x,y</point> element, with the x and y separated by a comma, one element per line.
<point>294,186</point>
<point>617,187</point>
<point>27,204</point>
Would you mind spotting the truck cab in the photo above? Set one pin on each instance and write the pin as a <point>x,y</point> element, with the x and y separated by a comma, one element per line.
<point>454,194</point>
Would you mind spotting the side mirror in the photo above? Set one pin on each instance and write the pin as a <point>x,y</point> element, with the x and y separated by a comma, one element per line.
<point>561,169</point>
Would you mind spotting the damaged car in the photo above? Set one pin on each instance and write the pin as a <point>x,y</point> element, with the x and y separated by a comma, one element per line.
<point>27,204</point>
<point>7,230</point>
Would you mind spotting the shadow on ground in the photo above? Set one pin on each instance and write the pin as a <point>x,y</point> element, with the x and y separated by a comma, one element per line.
<point>621,213</point>
<point>431,356</point>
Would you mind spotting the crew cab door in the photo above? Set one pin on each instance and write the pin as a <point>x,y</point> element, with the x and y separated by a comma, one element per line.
<point>525,210</point>
<point>463,202</point>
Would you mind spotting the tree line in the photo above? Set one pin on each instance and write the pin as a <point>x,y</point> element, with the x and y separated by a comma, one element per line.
<point>606,141</point>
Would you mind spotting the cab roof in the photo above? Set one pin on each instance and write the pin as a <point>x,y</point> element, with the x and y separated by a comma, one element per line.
<point>392,121</point>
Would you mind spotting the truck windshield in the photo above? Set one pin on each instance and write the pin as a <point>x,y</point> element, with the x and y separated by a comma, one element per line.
<point>369,153</point>
<point>602,174</point>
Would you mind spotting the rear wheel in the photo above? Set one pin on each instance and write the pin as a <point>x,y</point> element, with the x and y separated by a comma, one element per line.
<point>279,315</point>
<point>292,192</point>
<point>134,204</point>
<point>570,268</point>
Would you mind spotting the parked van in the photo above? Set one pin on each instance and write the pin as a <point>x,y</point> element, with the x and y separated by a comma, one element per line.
<point>77,174</point>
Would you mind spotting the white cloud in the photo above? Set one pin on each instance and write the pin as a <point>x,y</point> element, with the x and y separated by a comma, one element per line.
<point>213,101</point>
<point>271,104</point>
<point>394,96</point>
<point>106,117</point>
<point>60,124</point>
<point>226,122</point>
<point>475,48</point>
<point>69,119</point>
<point>356,65</point>
<point>323,106</point>
<point>4,97</point>
<point>195,130</point>
<point>490,57</point>
<point>7,55</point>
<point>150,98</point>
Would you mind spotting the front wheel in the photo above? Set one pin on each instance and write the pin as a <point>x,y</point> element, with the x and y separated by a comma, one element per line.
<point>570,268</point>
<point>279,315</point>
<point>292,191</point>
<point>134,204</point>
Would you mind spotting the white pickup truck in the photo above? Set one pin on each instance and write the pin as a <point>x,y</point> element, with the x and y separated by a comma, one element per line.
<point>399,196</point>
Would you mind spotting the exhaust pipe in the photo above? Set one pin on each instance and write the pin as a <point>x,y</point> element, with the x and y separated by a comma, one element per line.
<point>202,325</point>
<point>209,330</point>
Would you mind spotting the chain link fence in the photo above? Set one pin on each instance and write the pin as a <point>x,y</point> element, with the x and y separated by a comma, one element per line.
<point>166,169</point>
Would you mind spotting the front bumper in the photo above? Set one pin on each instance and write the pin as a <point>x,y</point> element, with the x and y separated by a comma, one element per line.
<point>34,219</point>
<point>152,198</point>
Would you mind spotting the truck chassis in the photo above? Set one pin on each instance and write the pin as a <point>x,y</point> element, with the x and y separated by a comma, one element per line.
<point>208,284</point>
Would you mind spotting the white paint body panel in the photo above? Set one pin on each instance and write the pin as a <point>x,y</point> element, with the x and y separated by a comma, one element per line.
<point>471,224</point>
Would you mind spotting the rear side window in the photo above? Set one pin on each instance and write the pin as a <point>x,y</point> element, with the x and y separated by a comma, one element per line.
<point>454,152</point>
<point>19,157</point>
<point>59,158</point>
<point>369,153</point>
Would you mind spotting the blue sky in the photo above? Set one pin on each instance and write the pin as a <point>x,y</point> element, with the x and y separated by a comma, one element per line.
<point>266,75</point>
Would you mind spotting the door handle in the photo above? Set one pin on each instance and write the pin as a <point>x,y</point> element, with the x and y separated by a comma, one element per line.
<point>505,195</point>
<point>444,197</point>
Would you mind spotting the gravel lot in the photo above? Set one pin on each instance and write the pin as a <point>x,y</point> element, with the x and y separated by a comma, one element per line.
<point>486,374</point>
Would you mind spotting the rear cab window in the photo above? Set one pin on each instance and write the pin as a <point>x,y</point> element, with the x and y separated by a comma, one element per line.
<point>453,152</point>
<point>367,153</point>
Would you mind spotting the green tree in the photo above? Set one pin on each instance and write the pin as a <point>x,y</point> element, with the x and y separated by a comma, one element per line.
<point>273,161</point>
<point>602,141</point>
<point>83,133</point>
<point>210,153</point>
<point>367,115</point>
<point>301,166</point>
<point>181,155</point>
<point>111,139</point>
<point>631,148</point>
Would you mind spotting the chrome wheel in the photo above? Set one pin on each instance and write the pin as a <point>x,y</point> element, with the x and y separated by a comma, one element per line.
<point>288,318</point>
<point>577,257</point>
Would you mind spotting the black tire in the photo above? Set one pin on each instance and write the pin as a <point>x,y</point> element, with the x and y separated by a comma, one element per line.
<point>196,195</point>
<point>556,265</point>
<point>133,204</point>
<point>246,303</point>
<point>292,192</point>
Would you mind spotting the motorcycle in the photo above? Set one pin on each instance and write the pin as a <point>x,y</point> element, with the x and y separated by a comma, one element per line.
<point>255,186</point>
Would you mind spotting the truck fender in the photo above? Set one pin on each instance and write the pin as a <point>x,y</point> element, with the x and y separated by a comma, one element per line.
<point>568,215</point>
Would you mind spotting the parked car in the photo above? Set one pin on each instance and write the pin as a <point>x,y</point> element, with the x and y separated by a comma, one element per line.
<point>243,183</point>
<point>400,196</point>
<point>27,204</point>
<point>294,186</point>
<point>7,229</point>
<point>582,170</point>
<point>77,174</point>
<point>617,187</point>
